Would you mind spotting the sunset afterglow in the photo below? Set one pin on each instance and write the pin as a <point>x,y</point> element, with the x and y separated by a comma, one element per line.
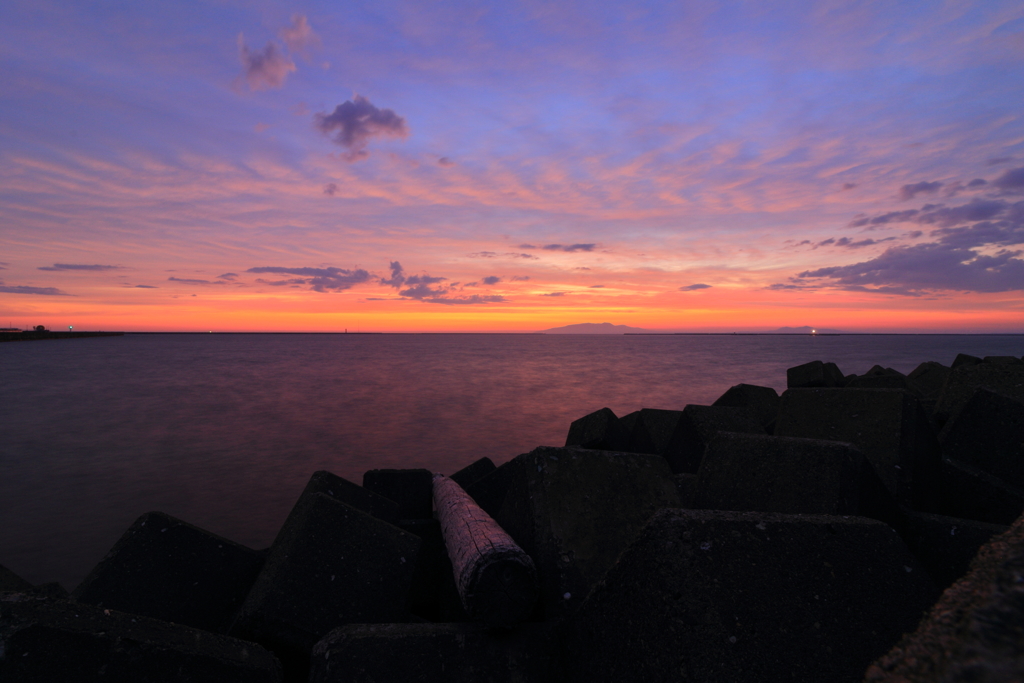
<point>517,166</point>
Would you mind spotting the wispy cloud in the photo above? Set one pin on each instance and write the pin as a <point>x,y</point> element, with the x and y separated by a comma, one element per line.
<point>319,279</point>
<point>354,122</point>
<point>45,291</point>
<point>299,37</point>
<point>562,247</point>
<point>76,266</point>
<point>910,191</point>
<point>266,68</point>
<point>692,288</point>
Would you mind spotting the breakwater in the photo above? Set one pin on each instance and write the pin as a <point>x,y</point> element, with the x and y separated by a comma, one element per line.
<point>763,537</point>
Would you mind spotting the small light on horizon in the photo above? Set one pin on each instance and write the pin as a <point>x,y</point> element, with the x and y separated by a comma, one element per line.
<point>70,328</point>
<point>813,331</point>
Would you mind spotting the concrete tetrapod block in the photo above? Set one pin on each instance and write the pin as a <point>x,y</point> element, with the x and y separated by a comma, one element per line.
<point>1002,360</point>
<point>814,374</point>
<point>431,560</point>
<point>761,473</point>
<point>409,488</point>
<point>473,472</point>
<point>928,378</point>
<point>945,545</point>
<point>762,401</point>
<point>972,493</point>
<point>435,653</point>
<point>973,633</point>
<point>573,511</point>
<point>963,381</point>
<point>964,359</point>
<point>888,426</point>
<point>9,581</point>
<point>655,431</point>
<point>738,596</point>
<point>599,430</point>
<point>167,569</point>
<point>489,491</point>
<point>353,494</point>
<point>46,641</point>
<point>330,565</point>
<point>698,425</point>
<point>988,432</point>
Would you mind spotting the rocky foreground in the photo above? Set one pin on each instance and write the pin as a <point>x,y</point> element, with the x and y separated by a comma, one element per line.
<point>830,534</point>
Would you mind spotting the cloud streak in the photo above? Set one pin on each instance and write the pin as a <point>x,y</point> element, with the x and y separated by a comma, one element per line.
<point>319,279</point>
<point>76,266</point>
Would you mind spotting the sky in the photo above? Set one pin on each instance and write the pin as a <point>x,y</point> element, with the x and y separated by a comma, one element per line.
<point>512,166</point>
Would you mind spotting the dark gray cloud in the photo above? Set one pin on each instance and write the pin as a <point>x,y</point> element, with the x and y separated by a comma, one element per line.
<point>193,281</point>
<point>319,279</point>
<point>527,246</point>
<point>555,294</point>
<point>911,270</point>
<point>397,278</point>
<point>266,68</point>
<point>883,219</point>
<point>999,160</point>
<point>491,280</point>
<point>596,286</point>
<point>445,161</point>
<point>331,189</point>
<point>520,278</point>
<point>910,191</point>
<point>1010,180</point>
<point>568,247</point>
<point>45,291</point>
<point>849,186</point>
<point>146,287</point>
<point>227,276</point>
<point>977,182</point>
<point>77,266</point>
<point>355,121</point>
<point>975,210</point>
<point>694,287</point>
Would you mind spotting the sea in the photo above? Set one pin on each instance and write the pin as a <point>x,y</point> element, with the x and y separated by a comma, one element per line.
<point>224,430</point>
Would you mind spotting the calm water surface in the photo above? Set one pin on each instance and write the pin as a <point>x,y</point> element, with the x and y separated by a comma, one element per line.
<point>224,430</point>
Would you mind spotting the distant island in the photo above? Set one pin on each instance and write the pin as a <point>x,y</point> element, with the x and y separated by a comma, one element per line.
<point>594,328</point>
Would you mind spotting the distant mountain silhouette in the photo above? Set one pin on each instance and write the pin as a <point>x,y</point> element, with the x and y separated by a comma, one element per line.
<point>806,329</point>
<point>593,328</point>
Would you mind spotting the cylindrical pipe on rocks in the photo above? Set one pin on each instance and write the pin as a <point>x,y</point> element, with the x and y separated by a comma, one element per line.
<point>496,580</point>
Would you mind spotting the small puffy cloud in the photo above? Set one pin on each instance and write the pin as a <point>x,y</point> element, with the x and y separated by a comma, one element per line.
<point>397,278</point>
<point>694,287</point>
<point>849,186</point>
<point>910,191</point>
<point>355,121</point>
<point>76,266</point>
<point>567,247</point>
<point>599,286</point>
<point>266,68</point>
<point>1010,180</point>
<point>299,37</point>
<point>445,161</point>
<point>44,291</point>
<point>319,279</point>
<point>423,280</point>
<point>331,189</point>
<point>491,280</point>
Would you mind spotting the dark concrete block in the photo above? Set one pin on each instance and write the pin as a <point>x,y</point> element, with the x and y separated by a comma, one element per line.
<point>599,430</point>
<point>441,653</point>
<point>411,489</point>
<point>574,510</point>
<point>879,381</point>
<point>814,374</point>
<point>473,472</point>
<point>656,431</point>
<point>489,491</point>
<point>760,473</point>
<point>1002,360</point>
<point>945,545</point>
<point>331,564</point>
<point>927,379</point>
<point>353,494</point>
<point>9,581</point>
<point>888,426</point>
<point>450,609</point>
<point>973,633</point>
<point>629,421</point>
<point>167,569</point>
<point>988,432</point>
<point>425,588</point>
<point>731,596</point>
<point>964,359</point>
<point>686,485</point>
<point>46,640</point>
<point>698,425</point>
<point>762,401</point>
<point>963,381</point>
<point>972,493</point>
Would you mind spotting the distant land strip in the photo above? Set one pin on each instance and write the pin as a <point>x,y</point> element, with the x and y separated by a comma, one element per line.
<point>32,335</point>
